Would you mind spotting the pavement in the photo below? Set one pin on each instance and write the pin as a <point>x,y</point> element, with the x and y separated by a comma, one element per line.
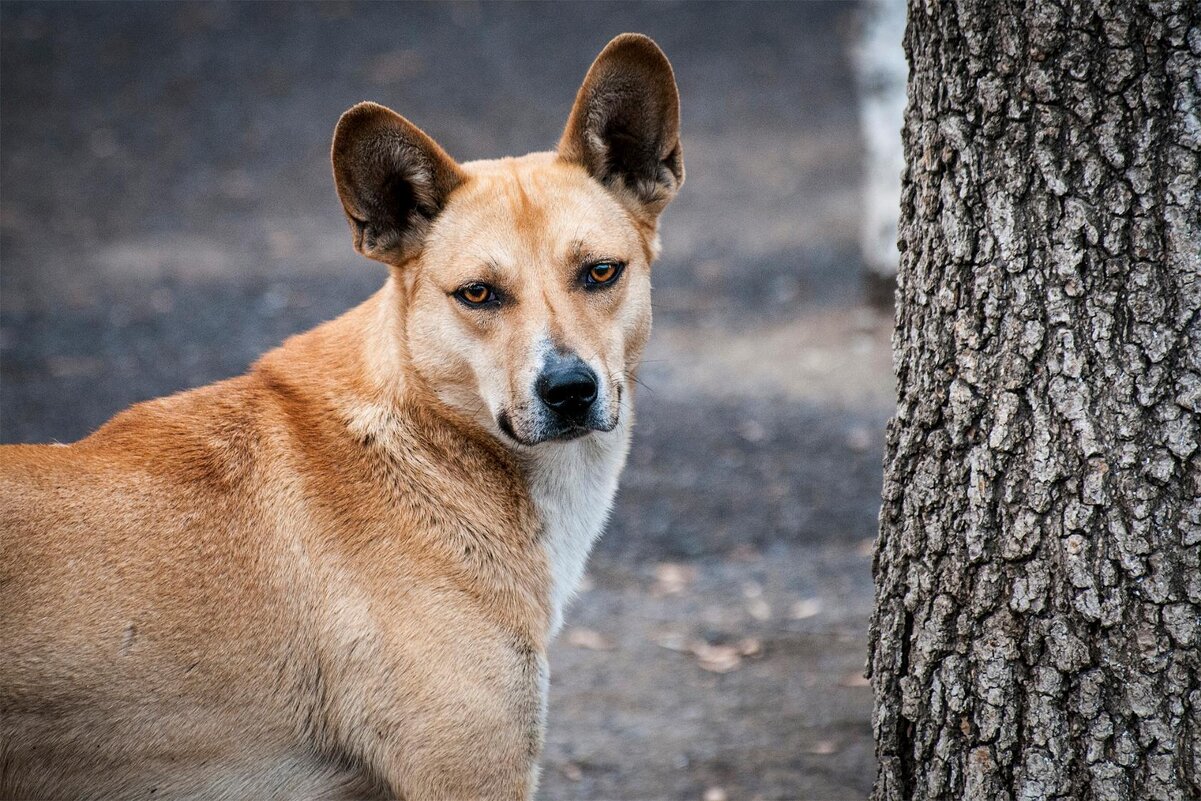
<point>167,214</point>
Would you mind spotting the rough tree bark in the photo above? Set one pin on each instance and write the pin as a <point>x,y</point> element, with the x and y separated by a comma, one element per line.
<point>1037,632</point>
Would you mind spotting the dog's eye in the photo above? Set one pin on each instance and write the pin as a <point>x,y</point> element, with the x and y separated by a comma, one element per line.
<point>602,273</point>
<point>476,294</point>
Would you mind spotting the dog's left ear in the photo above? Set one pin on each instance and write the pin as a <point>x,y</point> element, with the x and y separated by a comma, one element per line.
<point>625,125</point>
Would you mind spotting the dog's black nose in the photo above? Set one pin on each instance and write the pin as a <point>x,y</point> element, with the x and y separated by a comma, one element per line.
<point>569,390</point>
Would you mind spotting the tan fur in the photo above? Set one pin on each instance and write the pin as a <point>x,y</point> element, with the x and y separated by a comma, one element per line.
<point>328,578</point>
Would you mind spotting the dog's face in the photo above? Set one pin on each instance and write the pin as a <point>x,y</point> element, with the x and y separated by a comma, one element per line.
<point>532,299</point>
<point>526,282</point>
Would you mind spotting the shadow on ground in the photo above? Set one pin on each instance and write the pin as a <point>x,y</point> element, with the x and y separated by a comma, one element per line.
<point>166,215</point>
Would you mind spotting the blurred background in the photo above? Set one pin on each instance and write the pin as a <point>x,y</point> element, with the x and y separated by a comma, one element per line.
<point>167,214</point>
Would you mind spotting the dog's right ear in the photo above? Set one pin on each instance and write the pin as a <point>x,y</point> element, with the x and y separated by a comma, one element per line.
<point>393,180</point>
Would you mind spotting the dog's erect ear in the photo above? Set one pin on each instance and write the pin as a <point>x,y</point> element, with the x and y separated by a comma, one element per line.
<point>392,179</point>
<point>625,125</point>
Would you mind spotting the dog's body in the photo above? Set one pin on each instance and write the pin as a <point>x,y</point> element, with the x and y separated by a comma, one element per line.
<point>337,575</point>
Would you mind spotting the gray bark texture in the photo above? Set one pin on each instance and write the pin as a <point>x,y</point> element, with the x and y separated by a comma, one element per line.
<point>1037,631</point>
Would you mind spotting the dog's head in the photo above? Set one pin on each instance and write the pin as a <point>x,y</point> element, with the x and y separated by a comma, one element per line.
<point>525,282</point>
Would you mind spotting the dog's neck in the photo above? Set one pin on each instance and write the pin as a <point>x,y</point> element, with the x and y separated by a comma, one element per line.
<point>573,485</point>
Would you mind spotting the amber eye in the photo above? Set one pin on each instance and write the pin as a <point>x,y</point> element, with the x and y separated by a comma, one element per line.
<point>476,294</point>
<point>602,273</point>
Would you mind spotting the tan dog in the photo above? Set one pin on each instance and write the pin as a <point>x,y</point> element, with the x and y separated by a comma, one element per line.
<point>336,576</point>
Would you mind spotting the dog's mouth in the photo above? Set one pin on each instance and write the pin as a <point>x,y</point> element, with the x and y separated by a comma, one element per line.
<point>575,432</point>
<point>559,432</point>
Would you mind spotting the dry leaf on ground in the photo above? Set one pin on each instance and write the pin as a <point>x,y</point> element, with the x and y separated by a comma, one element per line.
<point>809,607</point>
<point>673,641</point>
<point>592,640</point>
<point>717,658</point>
<point>672,579</point>
<point>724,658</point>
<point>759,609</point>
<point>751,646</point>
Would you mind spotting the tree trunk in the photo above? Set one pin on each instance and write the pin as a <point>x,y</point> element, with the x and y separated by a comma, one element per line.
<point>1037,632</point>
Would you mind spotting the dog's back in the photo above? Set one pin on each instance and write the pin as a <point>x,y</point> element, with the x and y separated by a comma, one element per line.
<point>140,607</point>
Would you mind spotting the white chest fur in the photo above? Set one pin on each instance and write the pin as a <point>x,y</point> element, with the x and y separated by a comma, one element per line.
<point>573,484</point>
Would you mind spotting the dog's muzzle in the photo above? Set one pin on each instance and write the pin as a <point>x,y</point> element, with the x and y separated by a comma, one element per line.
<point>569,402</point>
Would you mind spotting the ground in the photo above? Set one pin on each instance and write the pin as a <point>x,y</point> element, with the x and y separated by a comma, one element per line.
<point>167,214</point>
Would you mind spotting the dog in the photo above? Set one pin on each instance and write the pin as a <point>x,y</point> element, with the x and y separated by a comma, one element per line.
<point>337,575</point>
